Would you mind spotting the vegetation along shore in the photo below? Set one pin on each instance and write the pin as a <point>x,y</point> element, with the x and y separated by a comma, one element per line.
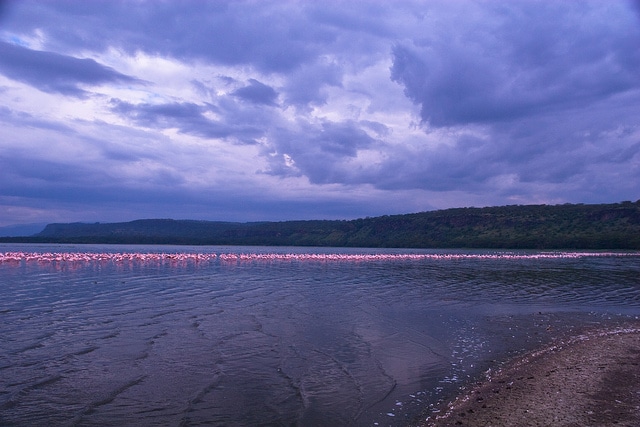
<point>567,226</point>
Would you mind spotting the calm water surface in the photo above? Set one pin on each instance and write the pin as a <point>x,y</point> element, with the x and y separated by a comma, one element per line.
<point>283,342</point>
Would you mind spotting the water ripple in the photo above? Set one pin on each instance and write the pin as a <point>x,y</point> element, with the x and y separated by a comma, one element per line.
<point>245,336</point>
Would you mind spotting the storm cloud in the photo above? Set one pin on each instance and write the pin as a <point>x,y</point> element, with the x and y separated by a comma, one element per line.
<point>53,72</point>
<point>234,110</point>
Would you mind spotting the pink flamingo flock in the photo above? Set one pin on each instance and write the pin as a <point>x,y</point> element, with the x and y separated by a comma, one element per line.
<point>19,258</point>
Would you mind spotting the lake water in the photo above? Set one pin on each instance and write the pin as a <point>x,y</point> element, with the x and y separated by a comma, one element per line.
<point>279,336</point>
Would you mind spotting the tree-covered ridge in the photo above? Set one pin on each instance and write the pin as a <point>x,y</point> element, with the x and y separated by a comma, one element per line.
<point>568,226</point>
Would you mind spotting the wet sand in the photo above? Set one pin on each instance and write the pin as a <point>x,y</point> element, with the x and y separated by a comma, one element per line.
<point>587,380</point>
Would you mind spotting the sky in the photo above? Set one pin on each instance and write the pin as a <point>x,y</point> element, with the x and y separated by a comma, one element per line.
<point>278,110</point>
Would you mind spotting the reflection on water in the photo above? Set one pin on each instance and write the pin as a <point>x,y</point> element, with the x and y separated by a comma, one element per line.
<point>287,341</point>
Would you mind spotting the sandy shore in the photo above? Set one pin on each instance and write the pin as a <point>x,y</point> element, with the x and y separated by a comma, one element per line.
<point>588,380</point>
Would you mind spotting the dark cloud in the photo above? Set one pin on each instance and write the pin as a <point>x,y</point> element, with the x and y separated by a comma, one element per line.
<point>3,9</point>
<point>257,93</point>
<point>540,59</point>
<point>26,120</point>
<point>274,37</point>
<point>305,86</point>
<point>53,72</point>
<point>271,35</point>
<point>636,4</point>
<point>92,182</point>
<point>90,193</point>
<point>321,152</point>
<point>379,128</point>
<point>548,152</point>
<point>342,139</point>
<point>353,17</point>
<point>164,114</point>
<point>468,164</point>
<point>188,118</point>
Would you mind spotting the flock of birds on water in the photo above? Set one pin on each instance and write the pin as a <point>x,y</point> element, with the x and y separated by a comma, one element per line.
<point>60,258</point>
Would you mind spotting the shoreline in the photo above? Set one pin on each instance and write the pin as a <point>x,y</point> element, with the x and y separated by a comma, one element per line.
<point>591,379</point>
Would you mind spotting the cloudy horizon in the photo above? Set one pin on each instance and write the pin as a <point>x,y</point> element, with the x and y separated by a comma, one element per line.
<point>278,110</point>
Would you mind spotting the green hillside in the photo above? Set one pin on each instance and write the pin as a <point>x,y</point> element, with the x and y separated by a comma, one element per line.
<point>568,226</point>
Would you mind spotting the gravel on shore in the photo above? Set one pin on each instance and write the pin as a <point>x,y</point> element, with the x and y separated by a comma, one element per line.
<point>588,380</point>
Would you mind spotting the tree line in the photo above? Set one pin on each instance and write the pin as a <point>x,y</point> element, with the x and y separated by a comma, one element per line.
<point>567,226</point>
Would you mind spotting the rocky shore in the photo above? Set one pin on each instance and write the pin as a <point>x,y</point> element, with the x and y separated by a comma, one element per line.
<point>589,380</point>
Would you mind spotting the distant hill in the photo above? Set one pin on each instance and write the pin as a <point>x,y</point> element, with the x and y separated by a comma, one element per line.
<point>568,226</point>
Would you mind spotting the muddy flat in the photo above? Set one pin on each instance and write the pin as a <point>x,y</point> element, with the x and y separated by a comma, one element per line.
<point>587,380</point>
